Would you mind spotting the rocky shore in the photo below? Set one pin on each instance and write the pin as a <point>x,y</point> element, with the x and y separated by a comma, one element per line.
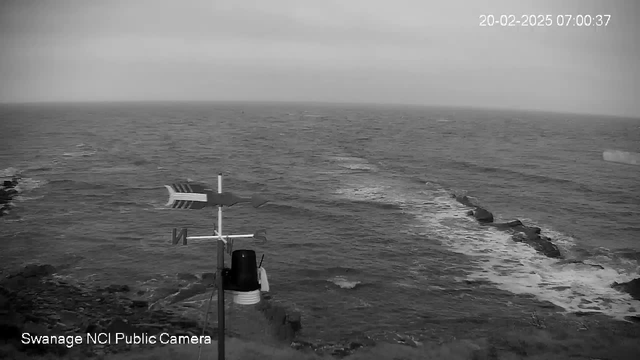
<point>36,301</point>
<point>530,235</point>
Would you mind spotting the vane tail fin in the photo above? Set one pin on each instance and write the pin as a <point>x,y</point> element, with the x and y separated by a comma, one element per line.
<point>172,195</point>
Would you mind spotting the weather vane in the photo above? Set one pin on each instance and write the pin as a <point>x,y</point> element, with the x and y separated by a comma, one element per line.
<point>244,280</point>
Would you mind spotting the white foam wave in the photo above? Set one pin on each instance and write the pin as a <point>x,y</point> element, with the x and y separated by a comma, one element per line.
<point>24,183</point>
<point>28,184</point>
<point>353,163</point>
<point>511,266</point>
<point>9,172</point>
<point>518,268</point>
<point>79,154</point>
<point>623,157</point>
<point>343,282</point>
<point>114,169</point>
<point>26,198</point>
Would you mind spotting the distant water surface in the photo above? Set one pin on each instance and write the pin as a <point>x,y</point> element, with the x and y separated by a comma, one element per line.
<point>364,236</point>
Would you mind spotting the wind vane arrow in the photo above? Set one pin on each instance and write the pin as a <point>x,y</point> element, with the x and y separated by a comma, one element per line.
<point>188,196</point>
<point>197,196</point>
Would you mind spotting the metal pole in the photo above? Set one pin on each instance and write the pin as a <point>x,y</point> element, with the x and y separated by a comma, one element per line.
<point>220,282</point>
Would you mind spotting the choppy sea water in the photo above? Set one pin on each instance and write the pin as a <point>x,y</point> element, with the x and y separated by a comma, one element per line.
<point>364,237</point>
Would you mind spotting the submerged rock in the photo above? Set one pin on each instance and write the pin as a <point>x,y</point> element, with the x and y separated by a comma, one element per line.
<point>631,287</point>
<point>464,200</point>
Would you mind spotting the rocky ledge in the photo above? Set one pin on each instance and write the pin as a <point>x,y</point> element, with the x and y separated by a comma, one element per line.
<point>34,300</point>
<point>530,235</point>
<point>7,193</point>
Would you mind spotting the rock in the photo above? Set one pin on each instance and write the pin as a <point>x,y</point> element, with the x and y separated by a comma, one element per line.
<point>37,270</point>
<point>7,192</point>
<point>633,318</point>
<point>118,325</point>
<point>139,303</point>
<point>530,235</point>
<point>631,287</point>
<point>186,277</point>
<point>464,200</point>
<point>521,233</point>
<point>277,315</point>
<point>117,288</point>
<point>541,244</point>
<point>93,328</point>
<point>35,328</point>
<point>184,323</point>
<point>15,282</point>
<point>508,225</point>
<point>483,215</point>
<point>70,318</point>
<point>57,308</point>
<point>163,292</point>
<point>187,292</point>
<point>284,326</point>
<point>295,321</point>
<point>208,279</point>
<point>33,348</point>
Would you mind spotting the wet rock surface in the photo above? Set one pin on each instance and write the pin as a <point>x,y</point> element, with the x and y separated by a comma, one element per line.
<point>530,235</point>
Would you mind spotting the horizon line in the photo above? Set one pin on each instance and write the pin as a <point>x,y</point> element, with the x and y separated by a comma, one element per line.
<point>293,102</point>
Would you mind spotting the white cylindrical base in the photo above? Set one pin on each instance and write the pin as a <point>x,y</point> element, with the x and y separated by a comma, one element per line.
<point>245,297</point>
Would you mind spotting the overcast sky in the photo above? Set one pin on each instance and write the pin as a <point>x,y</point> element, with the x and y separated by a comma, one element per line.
<point>391,51</point>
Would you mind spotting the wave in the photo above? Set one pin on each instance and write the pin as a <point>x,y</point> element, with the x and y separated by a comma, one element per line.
<point>27,198</point>
<point>67,184</point>
<point>353,163</point>
<point>344,283</point>
<point>23,183</point>
<point>79,154</point>
<point>327,211</point>
<point>576,287</point>
<point>9,173</point>
<point>115,169</point>
<point>541,179</point>
<point>20,185</point>
<point>623,157</point>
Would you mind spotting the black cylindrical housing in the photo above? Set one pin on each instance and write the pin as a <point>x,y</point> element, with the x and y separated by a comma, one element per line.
<point>244,271</point>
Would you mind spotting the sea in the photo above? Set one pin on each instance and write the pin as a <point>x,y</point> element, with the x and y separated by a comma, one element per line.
<point>363,234</point>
